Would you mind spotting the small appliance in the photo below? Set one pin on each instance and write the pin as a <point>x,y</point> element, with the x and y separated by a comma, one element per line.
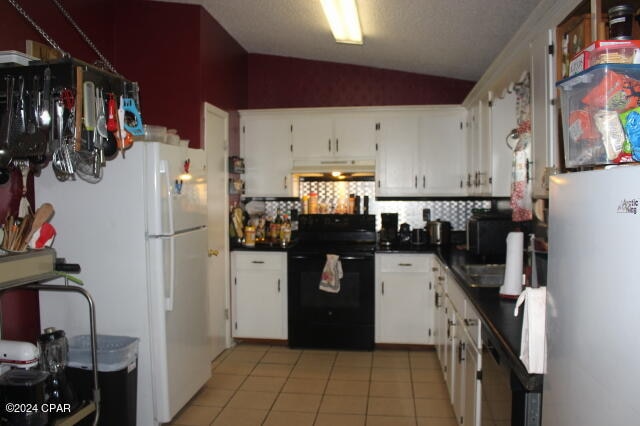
<point>21,384</point>
<point>54,354</point>
<point>486,234</point>
<point>389,229</point>
<point>439,232</point>
<point>404,234</point>
<point>419,237</point>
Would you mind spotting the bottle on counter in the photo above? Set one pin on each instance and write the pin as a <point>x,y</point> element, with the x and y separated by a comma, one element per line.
<point>352,203</point>
<point>313,203</point>
<point>294,224</point>
<point>249,236</point>
<point>305,204</point>
<point>365,205</point>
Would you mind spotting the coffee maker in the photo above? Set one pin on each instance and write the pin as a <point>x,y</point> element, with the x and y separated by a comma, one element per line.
<point>54,352</point>
<point>389,229</point>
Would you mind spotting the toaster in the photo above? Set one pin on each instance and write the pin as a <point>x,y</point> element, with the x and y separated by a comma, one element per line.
<point>487,235</point>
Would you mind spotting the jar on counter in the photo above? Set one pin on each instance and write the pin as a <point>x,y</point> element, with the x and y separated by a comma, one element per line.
<point>249,236</point>
<point>620,22</point>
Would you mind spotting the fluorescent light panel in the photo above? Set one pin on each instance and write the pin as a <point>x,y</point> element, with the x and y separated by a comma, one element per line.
<point>343,20</point>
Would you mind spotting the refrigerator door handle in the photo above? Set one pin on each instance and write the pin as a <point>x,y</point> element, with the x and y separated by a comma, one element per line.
<point>168,200</point>
<point>168,301</point>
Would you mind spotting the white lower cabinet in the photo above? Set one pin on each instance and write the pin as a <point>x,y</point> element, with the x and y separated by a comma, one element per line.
<point>458,328</point>
<point>259,294</point>
<point>404,299</point>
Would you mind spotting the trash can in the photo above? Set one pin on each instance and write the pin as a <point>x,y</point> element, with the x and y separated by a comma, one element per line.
<point>117,376</point>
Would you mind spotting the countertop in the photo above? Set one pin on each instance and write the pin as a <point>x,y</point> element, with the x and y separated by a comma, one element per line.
<point>500,327</point>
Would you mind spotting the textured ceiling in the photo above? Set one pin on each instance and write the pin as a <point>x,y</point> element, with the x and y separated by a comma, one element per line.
<point>451,38</point>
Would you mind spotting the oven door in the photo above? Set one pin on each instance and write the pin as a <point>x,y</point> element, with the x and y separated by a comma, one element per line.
<point>331,320</point>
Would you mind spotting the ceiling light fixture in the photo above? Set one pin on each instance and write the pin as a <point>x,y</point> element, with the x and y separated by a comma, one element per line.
<point>343,20</point>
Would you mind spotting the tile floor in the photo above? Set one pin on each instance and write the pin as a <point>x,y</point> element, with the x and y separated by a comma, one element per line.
<point>274,385</point>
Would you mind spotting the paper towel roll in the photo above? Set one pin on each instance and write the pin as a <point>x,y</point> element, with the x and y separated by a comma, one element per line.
<point>512,285</point>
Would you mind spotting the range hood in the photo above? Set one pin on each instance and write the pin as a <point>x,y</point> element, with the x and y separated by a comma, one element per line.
<point>344,165</point>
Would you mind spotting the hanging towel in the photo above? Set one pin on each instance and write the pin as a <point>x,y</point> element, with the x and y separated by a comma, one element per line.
<point>533,345</point>
<point>331,274</point>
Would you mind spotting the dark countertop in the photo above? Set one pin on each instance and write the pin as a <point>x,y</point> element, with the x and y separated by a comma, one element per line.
<point>500,327</point>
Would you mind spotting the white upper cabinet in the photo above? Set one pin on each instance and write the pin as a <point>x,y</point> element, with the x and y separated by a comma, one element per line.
<point>397,156</point>
<point>478,149</point>
<point>442,152</point>
<point>503,122</point>
<point>543,124</point>
<point>266,149</point>
<point>331,137</point>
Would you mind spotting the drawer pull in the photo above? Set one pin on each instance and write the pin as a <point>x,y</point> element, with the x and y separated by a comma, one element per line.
<point>470,322</point>
<point>278,285</point>
<point>405,264</point>
<point>440,278</point>
<point>257,261</point>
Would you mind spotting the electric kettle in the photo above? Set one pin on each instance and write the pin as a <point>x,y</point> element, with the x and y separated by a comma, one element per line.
<point>439,232</point>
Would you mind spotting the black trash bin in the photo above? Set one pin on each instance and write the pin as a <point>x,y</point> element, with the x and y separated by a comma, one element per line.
<point>117,376</point>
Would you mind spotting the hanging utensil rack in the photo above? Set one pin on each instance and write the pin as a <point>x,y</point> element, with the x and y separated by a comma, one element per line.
<point>28,100</point>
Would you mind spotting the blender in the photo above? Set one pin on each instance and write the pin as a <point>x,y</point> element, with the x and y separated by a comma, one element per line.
<point>54,352</point>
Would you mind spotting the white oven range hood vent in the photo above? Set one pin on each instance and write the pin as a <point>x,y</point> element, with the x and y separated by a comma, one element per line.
<point>344,165</point>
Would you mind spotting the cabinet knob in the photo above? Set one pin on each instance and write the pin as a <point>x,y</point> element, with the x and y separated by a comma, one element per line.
<point>213,252</point>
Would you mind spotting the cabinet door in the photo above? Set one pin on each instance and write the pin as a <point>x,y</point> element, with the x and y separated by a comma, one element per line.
<point>459,367</point>
<point>397,155</point>
<point>442,152</point>
<point>355,135</point>
<point>266,149</point>
<point>312,136</point>
<point>484,148</point>
<point>542,112</point>
<point>259,295</point>
<point>472,386</point>
<point>404,299</point>
<point>472,150</point>
<point>503,121</point>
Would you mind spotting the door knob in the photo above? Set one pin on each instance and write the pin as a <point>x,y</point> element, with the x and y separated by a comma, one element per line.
<point>213,252</point>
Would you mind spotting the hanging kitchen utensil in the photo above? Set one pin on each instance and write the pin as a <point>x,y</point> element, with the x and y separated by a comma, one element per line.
<point>5,128</point>
<point>18,119</point>
<point>112,121</point>
<point>133,122</point>
<point>123,138</point>
<point>101,126</point>
<point>28,141</point>
<point>44,115</point>
<point>78,104</point>
<point>25,207</point>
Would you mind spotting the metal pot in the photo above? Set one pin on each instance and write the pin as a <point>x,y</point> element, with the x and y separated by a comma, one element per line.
<point>439,232</point>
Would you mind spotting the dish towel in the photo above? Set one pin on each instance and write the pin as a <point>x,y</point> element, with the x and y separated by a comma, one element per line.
<point>331,274</point>
<point>533,345</point>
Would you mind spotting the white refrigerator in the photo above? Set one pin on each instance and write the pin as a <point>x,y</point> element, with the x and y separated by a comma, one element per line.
<point>592,301</point>
<point>140,238</point>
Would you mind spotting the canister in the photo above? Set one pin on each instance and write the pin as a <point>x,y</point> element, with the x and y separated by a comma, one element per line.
<point>620,22</point>
<point>249,236</point>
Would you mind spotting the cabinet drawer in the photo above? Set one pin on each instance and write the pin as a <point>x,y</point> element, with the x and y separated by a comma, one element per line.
<point>259,260</point>
<point>403,262</point>
<point>456,295</point>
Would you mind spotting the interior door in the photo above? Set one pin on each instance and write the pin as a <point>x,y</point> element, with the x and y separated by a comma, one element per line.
<point>216,147</point>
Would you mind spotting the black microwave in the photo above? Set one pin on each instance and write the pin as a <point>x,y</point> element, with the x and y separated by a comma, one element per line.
<point>487,235</point>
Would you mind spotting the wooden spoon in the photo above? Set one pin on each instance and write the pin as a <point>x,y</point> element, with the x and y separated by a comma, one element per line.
<point>42,215</point>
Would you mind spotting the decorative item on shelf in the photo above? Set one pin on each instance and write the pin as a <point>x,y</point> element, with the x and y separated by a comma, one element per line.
<point>236,164</point>
<point>236,186</point>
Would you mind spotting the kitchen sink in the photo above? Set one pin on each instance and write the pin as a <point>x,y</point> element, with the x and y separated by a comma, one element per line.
<point>483,275</point>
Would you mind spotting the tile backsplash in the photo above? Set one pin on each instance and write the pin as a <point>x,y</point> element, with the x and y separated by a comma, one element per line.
<point>455,211</point>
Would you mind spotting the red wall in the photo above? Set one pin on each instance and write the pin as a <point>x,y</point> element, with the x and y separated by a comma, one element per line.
<point>281,82</point>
